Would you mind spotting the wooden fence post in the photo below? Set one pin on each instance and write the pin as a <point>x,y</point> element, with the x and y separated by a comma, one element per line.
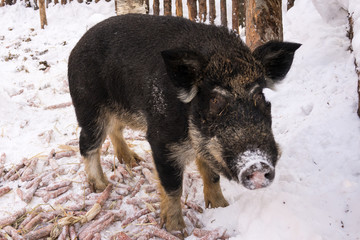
<point>223,13</point>
<point>43,20</point>
<point>147,5</point>
<point>202,10</point>
<point>192,9</point>
<point>242,13</point>
<point>129,6</point>
<point>263,22</point>
<point>290,4</point>
<point>167,7</point>
<point>212,11</point>
<point>179,8</point>
<point>156,7</point>
<point>235,15</point>
<point>9,2</point>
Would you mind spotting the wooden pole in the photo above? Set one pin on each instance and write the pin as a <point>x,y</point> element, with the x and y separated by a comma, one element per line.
<point>2,3</point>
<point>202,10</point>
<point>290,4</point>
<point>235,15</point>
<point>179,8</point>
<point>263,22</point>
<point>242,13</point>
<point>156,7</point>
<point>167,7</point>
<point>130,6</point>
<point>43,20</point>
<point>212,11</point>
<point>147,6</point>
<point>192,9</point>
<point>223,13</point>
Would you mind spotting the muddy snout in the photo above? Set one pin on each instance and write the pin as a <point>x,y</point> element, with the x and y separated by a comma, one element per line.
<point>257,175</point>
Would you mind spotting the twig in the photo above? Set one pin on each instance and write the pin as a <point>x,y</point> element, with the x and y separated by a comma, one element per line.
<point>29,194</point>
<point>148,175</point>
<point>194,206</point>
<point>13,233</point>
<point>27,174</point>
<point>137,187</point>
<point>14,170</point>
<point>64,154</point>
<point>218,233</point>
<point>41,217</point>
<point>40,233</point>
<point>11,219</point>
<point>150,188</point>
<point>123,171</point>
<point>97,226</point>
<point>120,236</point>
<point>56,193</point>
<point>97,236</point>
<point>64,233</point>
<point>72,232</point>
<point>2,158</point>
<point>58,185</point>
<point>153,231</point>
<point>4,190</point>
<point>136,216</point>
<point>56,106</point>
<point>32,214</point>
<point>99,203</point>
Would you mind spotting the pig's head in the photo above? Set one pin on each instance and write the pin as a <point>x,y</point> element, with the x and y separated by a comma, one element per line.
<point>230,119</point>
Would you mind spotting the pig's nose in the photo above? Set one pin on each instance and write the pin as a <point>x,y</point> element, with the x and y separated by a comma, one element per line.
<point>258,175</point>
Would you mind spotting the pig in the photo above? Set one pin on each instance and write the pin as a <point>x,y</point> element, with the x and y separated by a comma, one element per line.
<point>195,89</point>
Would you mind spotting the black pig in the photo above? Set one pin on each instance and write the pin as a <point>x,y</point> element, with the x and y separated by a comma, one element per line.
<point>195,89</point>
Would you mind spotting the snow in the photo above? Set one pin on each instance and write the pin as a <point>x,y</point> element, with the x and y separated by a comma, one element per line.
<point>316,191</point>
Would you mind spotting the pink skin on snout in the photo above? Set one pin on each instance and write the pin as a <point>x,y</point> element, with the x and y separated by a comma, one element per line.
<point>256,170</point>
<point>258,179</point>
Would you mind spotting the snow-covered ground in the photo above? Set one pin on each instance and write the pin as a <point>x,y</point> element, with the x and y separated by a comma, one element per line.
<point>316,193</point>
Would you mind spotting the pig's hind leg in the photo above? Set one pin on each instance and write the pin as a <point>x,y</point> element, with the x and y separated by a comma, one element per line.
<point>213,195</point>
<point>92,136</point>
<point>122,150</point>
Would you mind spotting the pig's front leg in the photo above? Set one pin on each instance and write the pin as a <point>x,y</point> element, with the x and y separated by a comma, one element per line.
<point>213,195</point>
<point>170,172</point>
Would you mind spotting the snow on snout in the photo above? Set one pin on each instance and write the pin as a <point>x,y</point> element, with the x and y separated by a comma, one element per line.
<point>256,160</point>
<point>252,157</point>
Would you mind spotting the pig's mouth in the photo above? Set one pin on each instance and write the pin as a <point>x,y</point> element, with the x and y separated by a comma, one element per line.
<point>254,170</point>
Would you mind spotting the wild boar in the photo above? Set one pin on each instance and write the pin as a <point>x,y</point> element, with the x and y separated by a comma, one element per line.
<point>195,89</point>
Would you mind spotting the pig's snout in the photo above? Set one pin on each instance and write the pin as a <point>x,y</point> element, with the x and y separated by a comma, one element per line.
<point>258,175</point>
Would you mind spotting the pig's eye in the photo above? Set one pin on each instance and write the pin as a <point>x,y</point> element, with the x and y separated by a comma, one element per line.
<point>217,104</point>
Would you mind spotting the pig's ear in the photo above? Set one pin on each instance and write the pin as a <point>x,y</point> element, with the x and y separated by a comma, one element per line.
<point>276,58</point>
<point>184,67</point>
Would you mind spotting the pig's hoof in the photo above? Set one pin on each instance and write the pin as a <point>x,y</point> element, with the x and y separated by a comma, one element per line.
<point>98,185</point>
<point>173,221</point>
<point>132,160</point>
<point>135,159</point>
<point>215,200</point>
